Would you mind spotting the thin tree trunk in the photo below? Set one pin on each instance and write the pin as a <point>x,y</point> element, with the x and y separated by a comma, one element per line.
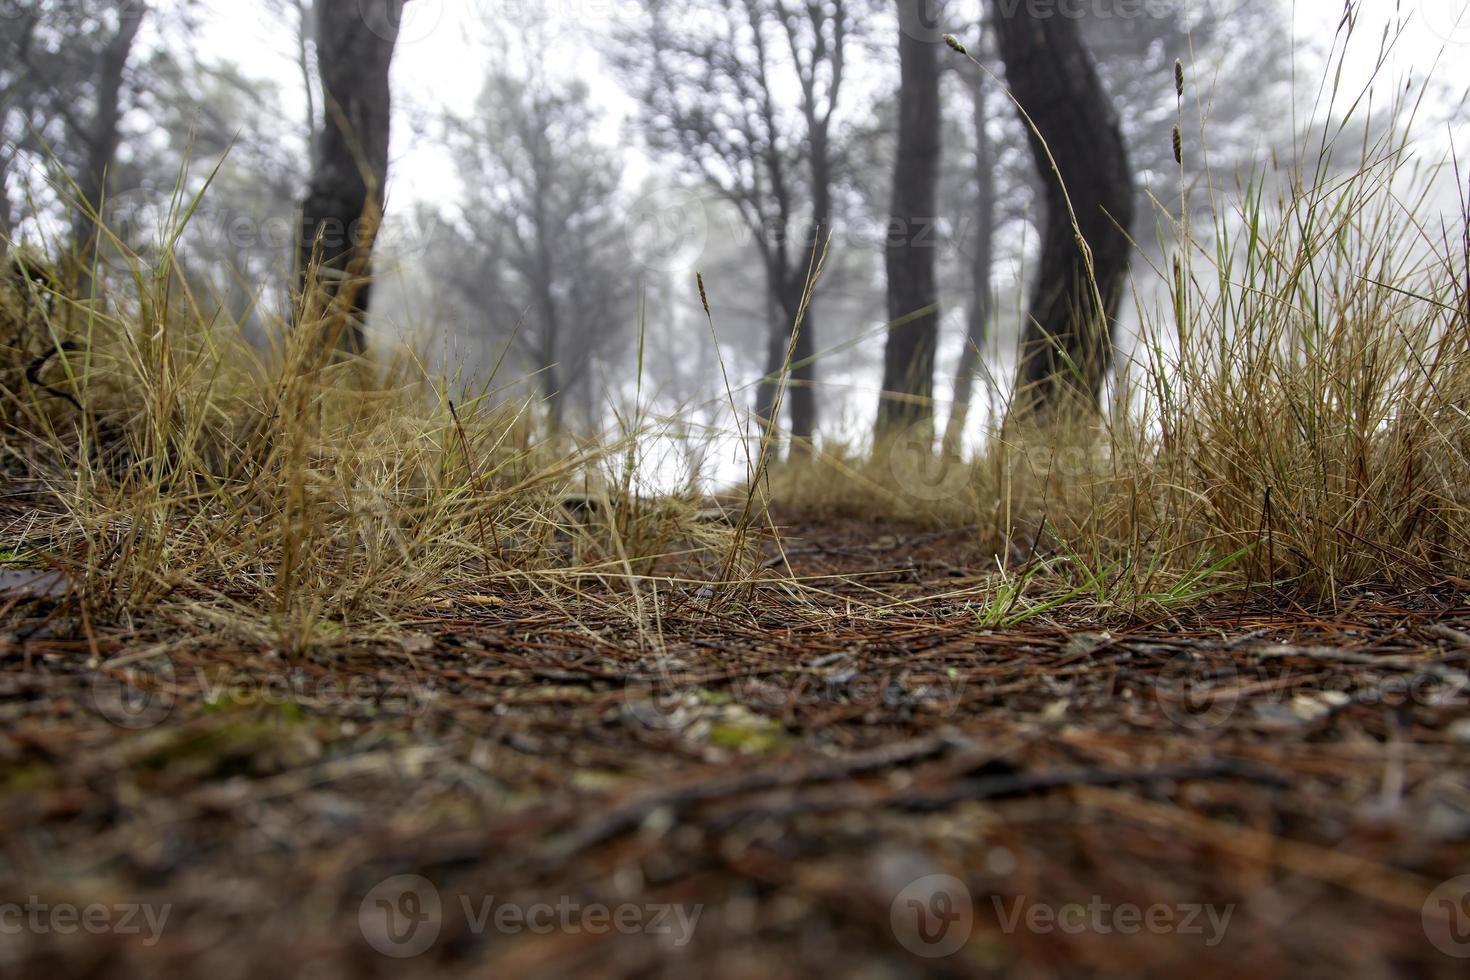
<point>801,395</point>
<point>101,142</point>
<point>344,201</point>
<point>551,384</point>
<point>982,255</point>
<point>1067,347</point>
<point>777,339</point>
<point>552,391</point>
<point>804,372</point>
<point>304,41</point>
<point>7,206</point>
<point>913,298</point>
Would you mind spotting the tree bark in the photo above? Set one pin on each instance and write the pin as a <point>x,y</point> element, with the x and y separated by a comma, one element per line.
<point>344,200</point>
<point>804,373</point>
<point>101,139</point>
<point>913,298</point>
<point>1067,346</point>
<point>789,264</point>
<point>801,394</point>
<point>777,339</point>
<point>7,207</point>
<point>551,384</point>
<point>982,258</point>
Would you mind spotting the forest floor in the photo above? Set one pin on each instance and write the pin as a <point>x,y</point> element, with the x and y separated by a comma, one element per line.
<point>514,789</point>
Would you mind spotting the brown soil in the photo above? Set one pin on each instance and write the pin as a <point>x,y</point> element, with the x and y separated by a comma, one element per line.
<point>789,772</point>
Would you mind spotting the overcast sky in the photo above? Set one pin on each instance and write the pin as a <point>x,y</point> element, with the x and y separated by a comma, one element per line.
<point>446,45</point>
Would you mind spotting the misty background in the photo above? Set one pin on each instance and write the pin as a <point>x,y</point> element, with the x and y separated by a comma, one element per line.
<point>533,167</point>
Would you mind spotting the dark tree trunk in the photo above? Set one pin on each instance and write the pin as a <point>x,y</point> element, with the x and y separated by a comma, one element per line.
<point>1067,347</point>
<point>7,207</point>
<point>101,139</point>
<point>344,201</point>
<point>551,382</point>
<point>783,303</point>
<point>23,29</point>
<point>801,395</point>
<point>787,285</point>
<point>777,339</point>
<point>804,372</point>
<point>913,299</point>
<point>982,256</point>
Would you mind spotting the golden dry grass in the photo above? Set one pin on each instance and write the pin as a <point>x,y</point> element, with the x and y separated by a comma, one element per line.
<point>1295,418</point>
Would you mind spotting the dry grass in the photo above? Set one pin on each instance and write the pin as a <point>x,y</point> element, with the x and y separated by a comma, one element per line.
<point>164,462</point>
<point>1295,418</point>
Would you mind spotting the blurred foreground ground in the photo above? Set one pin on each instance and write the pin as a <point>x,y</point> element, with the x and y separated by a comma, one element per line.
<point>797,789</point>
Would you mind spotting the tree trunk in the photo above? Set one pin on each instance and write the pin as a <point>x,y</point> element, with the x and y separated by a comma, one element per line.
<point>344,200</point>
<point>784,295</point>
<point>982,255</point>
<point>1067,347</point>
<point>100,142</point>
<point>551,384</point>
<point>804,373</point>
<point>801,395</point>
<point>913,299</point>
<point>7,207</point>
<point>777,339</point>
